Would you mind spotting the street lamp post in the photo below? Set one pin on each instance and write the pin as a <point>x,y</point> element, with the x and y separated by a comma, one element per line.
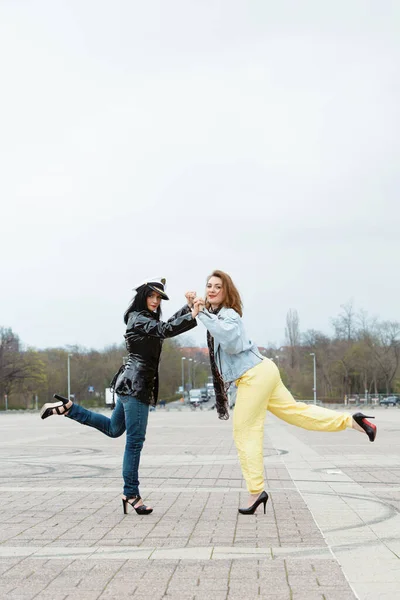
<point>194,374</point>
<point>315,377</point>
<point>183,376</point>
<point>197,363</point>
<point>69,376</point>
<point>190,373</point>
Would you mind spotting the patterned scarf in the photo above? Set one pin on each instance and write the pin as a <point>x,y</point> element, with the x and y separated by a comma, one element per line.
<point>220,387</point>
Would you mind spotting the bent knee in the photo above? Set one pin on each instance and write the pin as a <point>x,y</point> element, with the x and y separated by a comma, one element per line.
<point>115,433</point>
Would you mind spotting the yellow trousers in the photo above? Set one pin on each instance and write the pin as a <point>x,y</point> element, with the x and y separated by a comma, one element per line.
<point>261,389</point>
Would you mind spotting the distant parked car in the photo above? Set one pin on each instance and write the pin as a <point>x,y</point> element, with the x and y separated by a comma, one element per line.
<point>203,394</point>
<point>195,396</point>
<point>389,401</point>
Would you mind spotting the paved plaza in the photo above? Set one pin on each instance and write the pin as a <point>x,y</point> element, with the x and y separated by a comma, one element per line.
<point>331,532</point>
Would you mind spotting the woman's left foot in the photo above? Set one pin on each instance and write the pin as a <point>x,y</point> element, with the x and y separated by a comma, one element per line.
<point>60,407</point>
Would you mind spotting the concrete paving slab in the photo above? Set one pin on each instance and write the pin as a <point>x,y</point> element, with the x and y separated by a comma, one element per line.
<point>352,519</point>
<point>182,553</point>
<point>332,520</point>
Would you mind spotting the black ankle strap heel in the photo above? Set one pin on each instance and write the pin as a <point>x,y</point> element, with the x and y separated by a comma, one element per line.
<point>141,510</point>
<point>55,408</point>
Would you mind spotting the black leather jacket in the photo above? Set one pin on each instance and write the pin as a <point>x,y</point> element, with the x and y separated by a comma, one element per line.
<point>144,337</point>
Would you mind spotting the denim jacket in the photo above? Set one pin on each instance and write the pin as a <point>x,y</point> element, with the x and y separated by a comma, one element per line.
<point>234,352</point>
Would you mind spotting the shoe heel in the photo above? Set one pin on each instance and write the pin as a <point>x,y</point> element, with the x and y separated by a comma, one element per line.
<point>262,499</point>
<point>124,503</point>
<point>369,428</point>
<point>140,510</point>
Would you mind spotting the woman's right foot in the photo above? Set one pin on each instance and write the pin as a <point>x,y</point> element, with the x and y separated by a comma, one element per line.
<point>60,407</point>
<point>137,503</point>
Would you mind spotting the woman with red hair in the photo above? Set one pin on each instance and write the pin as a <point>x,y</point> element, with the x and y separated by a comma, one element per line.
<point>236,359</point>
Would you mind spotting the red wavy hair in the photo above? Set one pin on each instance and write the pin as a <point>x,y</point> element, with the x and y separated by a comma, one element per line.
<point>232,296</point>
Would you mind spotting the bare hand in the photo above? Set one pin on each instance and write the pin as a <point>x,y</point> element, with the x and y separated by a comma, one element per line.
<point>190,296</point>
<point>198,304</point>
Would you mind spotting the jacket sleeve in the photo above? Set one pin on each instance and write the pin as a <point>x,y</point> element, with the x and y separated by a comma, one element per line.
<point>182,311</point>
<point>226,329</point>
<point>177,324</point>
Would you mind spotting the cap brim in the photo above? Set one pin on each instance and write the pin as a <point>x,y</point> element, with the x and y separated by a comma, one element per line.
<point>159,291</point>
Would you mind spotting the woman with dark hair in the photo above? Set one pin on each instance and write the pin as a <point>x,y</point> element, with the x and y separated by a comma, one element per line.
<point>235,358</point>
<point>135,384</point>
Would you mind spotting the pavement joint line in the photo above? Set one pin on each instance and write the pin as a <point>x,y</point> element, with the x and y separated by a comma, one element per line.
<point>33,525</point>
<point>287,580</point>
<point>170,579</point>
<point>293,479</point>
<point>174,502</point>
<point>222,490</point>
<point>112,577</point>
<point>145,489</point>
<point>235,530</point>
<point>161,553</point>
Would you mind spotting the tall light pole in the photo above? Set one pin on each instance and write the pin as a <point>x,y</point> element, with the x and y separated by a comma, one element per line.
<point>315,377</point>
<point>183,376</point>
<point>277,358</point>
<point>194,373</point>
<point>69,375</point>
<point>197,363</point>
<point>190,374</point>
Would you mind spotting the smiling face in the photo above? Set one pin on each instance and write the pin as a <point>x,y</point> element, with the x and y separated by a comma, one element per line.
<point>153,301</point>
<point>215,291</point>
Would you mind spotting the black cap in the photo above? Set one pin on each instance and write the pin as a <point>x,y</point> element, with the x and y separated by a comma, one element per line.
<point>157,285</point>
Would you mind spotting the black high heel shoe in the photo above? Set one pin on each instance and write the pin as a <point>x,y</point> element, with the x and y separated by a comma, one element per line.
<point>262,498</point>
<point>368,427</point>
<point>141,510</point>
<point>55,408</point>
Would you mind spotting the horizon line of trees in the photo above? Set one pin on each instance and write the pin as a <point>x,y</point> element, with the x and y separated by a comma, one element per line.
<point>29,376</point>
<point>363,354</point>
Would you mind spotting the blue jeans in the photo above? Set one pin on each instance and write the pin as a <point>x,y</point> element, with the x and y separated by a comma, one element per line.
<point>129,415</point>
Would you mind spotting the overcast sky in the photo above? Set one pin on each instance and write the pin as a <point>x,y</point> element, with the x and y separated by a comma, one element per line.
<point>174,137</point>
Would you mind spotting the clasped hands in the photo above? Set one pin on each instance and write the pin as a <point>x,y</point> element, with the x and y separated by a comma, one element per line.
<point>195,303</point>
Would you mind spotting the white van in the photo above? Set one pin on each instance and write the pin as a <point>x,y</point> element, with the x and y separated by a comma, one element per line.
<point>195,396</point>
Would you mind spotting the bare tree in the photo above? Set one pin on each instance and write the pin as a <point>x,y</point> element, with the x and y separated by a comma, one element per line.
<point>21,371</point>
<point>292,332</point>
<point>383,341</point>
<point>387,351</point>
<point>345,323</point>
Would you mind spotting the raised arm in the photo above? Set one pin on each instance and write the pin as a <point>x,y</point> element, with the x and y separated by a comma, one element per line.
<point>180,313</point>
<point>180,322</point>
